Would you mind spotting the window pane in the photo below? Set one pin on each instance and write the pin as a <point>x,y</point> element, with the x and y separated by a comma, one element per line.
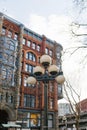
<point>28,43</point>
<point>15,36</point>
<point>3,31</point>
<point>50,52</point>
<point>11,46</point>
<point>26,55</point>
<point>4,73</point>
<point>50,120</point>
<point>29,101</point>
<point>23,41</point>
<point>46,50</point>
<point>9,34</point>
<point>51,103</point>
<point>25,81</point>
<point>50,123</point>
<point>33,45</point>
<point>38,47</point>
<point>35,120</point>
<point>30,56</point>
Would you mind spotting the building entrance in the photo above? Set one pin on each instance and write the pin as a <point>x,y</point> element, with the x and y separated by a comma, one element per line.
<point>3,118</point>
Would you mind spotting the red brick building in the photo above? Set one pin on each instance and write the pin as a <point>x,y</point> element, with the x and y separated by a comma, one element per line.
<point>83,105</point>
<point>20,51</point>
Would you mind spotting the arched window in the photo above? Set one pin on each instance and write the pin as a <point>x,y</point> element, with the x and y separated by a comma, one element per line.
<point>30,56</point>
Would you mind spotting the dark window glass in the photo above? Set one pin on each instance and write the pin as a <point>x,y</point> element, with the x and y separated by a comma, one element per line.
<point>0,55</point>
<point>29,101</point>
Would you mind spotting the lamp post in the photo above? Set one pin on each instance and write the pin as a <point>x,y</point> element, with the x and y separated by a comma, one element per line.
<point>45,73</point>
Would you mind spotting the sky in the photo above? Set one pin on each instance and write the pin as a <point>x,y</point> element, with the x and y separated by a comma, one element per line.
<point>53,19</point>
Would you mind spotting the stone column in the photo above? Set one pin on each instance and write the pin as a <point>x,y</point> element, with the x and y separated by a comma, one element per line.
<point>56,121</point>
<point>18,63</point>
<point>1,22</point>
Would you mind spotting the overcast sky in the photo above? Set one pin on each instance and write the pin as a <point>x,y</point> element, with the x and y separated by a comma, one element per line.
<point>42,16</point>
<point>51,18</point>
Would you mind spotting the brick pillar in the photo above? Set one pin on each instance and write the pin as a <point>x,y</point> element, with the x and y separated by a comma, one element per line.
<point>43,44</point>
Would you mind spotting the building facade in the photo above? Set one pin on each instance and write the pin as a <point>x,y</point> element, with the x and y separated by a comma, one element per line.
<point>64,109</point>
<point>70,122</point>
<point>70,119</point>
<point>20,52</point>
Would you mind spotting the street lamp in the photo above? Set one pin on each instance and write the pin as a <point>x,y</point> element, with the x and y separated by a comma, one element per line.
<point>45,73</point>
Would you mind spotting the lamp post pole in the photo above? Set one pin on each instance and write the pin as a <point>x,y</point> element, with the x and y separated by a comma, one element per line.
<point>46,73</point>
<point>46,105</point>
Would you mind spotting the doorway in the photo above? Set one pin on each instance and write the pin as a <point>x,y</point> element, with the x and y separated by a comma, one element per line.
<point>3,119</point>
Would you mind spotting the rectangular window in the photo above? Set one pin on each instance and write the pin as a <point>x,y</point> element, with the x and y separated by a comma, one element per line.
<point>11,60</point>
<point>4,73</point>
<point>38,48</point>
<point>28,43</point>
<point>46,50</point>
<point>29,101</point>
<point>51,103</point>
<point>6,97</point>
<point>9,34</point>
<point>6,57</point>
<point>15,36</point>
<point>24,41</point>
<point>50,52</point>
<point>3,31</point>
<point>34,120</point>
<point>33,45</point>
<point>29,68</point>
<point>50,120</point>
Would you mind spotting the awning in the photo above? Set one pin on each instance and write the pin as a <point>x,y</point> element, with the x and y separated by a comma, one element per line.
<point>11,125</point>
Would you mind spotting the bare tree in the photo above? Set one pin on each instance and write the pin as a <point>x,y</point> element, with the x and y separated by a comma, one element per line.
<point>75,106</point>
<point>78,30</point>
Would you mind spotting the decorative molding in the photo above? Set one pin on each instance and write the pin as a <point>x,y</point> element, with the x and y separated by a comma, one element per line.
<point>11,26</point>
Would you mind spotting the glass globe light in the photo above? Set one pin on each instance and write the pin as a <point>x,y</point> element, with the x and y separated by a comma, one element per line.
<point>45,60</point>
<point>60,79</point>
<point>38,70</point>
<point>31,80</point>
<point>53,69</point>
